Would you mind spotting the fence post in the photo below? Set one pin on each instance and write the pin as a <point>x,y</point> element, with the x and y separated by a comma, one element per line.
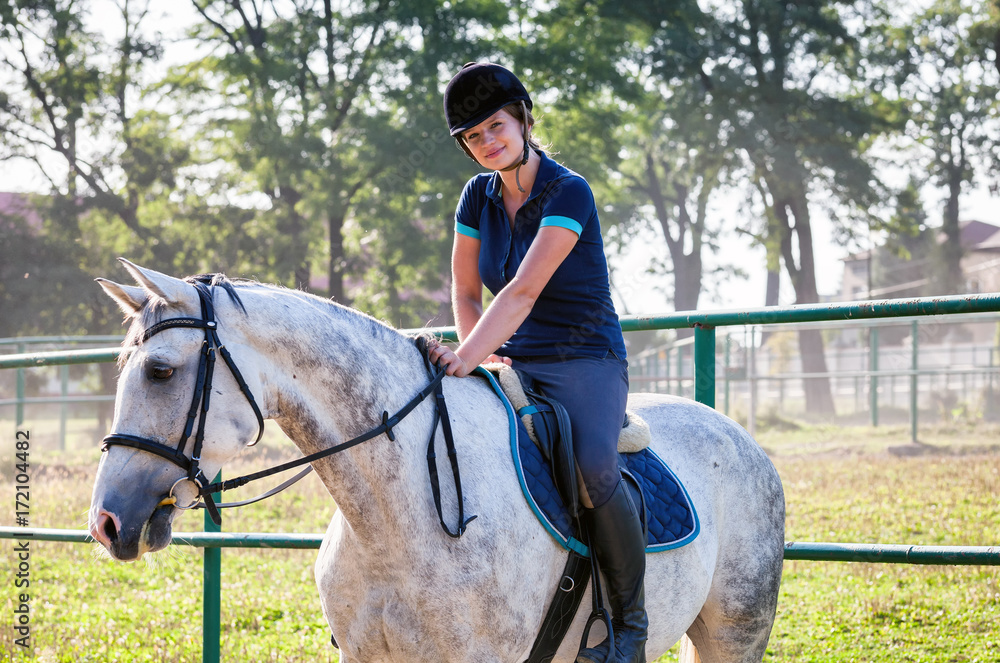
<point>873,365</point>
<point>19,408</point>
<point>914,363</point>
<point>725,366</point>
<point>654,372</point>
<point>704,365</point>
<point>63,407</point>
<point>212,598</point>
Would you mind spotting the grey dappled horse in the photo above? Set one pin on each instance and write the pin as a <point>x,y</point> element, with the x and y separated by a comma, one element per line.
<point>393,586</point>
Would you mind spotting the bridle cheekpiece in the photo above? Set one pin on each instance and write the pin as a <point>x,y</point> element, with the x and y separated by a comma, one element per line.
<point>200,402</point>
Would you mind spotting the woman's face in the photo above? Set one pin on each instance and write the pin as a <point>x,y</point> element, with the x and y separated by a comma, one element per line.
<point>496,142</point>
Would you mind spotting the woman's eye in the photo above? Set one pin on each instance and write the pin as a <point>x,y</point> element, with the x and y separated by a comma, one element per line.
<point>160,372</point>
<point>471,137</point>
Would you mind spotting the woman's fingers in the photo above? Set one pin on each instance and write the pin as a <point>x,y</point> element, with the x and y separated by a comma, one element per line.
<point>443,357</point>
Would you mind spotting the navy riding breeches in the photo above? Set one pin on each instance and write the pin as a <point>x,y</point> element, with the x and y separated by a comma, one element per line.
<point>594,392</point>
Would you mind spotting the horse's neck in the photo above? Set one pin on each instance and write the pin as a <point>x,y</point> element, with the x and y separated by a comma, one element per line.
<point>332,373</point>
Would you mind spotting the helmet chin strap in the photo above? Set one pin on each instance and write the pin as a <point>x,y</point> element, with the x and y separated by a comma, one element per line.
<point>516,167</point>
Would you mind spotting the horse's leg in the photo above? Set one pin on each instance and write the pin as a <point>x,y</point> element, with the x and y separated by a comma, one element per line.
<point>688,653</point>
<point>722,636</point>
<point>735,622</point>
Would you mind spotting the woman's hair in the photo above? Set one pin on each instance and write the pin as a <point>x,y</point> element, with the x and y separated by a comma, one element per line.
<point>518,112</point>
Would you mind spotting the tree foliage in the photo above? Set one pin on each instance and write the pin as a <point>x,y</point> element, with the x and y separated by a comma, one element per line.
<point>954,116</point>
<point>303,142</point>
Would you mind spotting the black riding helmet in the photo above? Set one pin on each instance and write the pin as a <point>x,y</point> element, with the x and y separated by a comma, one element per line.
<point>476,92</point>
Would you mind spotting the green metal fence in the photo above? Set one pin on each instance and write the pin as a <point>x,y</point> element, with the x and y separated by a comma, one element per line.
<point>704,325</point>
<point>22,343</point>
<point>872,365</point>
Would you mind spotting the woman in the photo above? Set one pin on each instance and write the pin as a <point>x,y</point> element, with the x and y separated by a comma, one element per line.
<point>530,232</point>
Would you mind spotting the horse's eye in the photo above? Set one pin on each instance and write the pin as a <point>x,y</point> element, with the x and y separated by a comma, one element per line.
<point>160,372</point>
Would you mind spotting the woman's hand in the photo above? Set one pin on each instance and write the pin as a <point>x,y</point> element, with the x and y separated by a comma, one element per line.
<point>497,359</point>
<point>446,358</point>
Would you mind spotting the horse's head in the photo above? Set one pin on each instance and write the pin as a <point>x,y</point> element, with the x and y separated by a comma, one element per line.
<point>130,512</point>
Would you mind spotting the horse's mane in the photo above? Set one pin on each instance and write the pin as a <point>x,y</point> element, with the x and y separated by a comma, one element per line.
<point>152,309</point>
<point>223,282</point>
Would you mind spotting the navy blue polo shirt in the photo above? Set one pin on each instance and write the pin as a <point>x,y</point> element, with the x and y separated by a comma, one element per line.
<point>574,315</point>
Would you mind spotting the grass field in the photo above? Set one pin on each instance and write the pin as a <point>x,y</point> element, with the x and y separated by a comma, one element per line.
<point>850,485</point>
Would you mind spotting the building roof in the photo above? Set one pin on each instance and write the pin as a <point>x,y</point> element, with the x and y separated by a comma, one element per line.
<point>989,242</point>
<point>975,235</point>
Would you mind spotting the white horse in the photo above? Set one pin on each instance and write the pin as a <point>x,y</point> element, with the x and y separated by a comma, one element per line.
<point>393,586</point>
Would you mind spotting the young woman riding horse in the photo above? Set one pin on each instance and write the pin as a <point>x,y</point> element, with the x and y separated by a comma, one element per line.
<point>530,232</point>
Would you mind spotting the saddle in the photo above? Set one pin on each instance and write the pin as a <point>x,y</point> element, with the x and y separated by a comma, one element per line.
<point>546,468</point>
<point>548,426</point>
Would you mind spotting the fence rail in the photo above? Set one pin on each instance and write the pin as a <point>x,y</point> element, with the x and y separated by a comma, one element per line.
<point>875,553</point>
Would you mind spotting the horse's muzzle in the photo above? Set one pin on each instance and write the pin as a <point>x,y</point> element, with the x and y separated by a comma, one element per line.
<point>128,538</point>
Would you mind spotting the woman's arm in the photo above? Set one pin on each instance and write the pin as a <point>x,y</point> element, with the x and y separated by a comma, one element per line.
<point>467,289</point>
<point>510,308</point>
<point>466,286</point>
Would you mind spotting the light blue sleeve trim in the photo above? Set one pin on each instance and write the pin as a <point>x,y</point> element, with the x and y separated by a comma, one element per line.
<point>468,231</point>
<point>563,222</point>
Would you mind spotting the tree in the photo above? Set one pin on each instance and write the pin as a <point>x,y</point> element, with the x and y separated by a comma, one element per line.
<point>905,265</point>
<point>789,78</point>
<point>636,118</point>
<point>71,111</point>
<point>77,119</point>
<point>955,118</point>
<point>321,102</point>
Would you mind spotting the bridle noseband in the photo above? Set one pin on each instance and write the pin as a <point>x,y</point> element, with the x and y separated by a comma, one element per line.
<point>200,401</point>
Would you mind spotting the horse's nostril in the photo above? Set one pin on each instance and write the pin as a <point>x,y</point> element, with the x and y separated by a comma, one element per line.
<point>109,530</point>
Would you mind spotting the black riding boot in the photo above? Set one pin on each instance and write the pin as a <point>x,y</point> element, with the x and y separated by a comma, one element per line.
<point>617,538</point>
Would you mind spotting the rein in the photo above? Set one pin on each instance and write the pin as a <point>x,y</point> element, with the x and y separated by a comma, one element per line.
<point>200,401</point>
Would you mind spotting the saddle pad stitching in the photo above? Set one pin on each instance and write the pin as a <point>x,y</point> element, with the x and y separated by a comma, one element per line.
<point>660,547</point>
<point>542,518</point>
<point>571,543</point>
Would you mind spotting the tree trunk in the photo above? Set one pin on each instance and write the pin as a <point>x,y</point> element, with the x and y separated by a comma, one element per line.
<point>793,205</point>
<point>773,288</point>
<point>335,268</point>
<point>294,226</point>
<point>687,266</point>
<point>771,292</point>
<point>951,250</point>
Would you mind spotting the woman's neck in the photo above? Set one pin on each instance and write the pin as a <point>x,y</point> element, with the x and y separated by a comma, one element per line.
<point>526,176</point>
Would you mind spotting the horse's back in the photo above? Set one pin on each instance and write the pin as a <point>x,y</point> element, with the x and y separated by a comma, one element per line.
<point>699,443</point>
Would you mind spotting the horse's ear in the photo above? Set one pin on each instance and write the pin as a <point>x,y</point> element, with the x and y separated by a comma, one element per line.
<point>170,289</point>
<point>129,298</point>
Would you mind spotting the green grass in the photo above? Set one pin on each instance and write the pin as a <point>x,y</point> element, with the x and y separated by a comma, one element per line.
<point>836,611</point>
<point>847,485</point>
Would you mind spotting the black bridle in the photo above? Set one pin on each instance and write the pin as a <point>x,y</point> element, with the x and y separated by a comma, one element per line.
<point>200,402</point>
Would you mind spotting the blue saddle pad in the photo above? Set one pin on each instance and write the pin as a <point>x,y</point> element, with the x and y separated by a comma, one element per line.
<point>673,522</point>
